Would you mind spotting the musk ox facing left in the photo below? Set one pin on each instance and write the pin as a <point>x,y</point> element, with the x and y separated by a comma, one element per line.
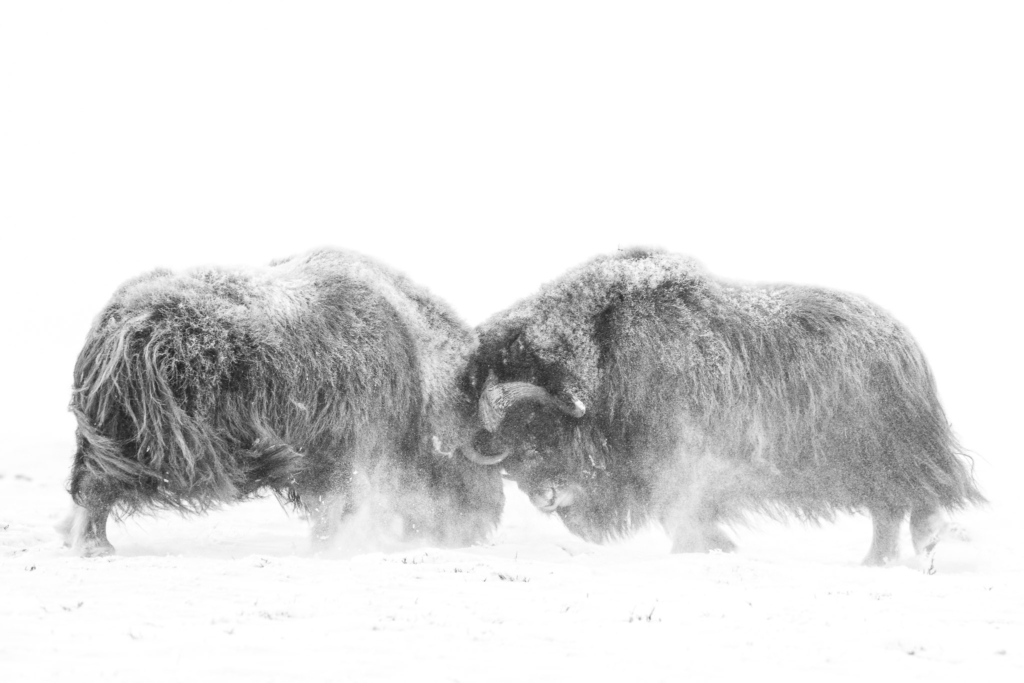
<point>638,388</point>
<point>326,379</point>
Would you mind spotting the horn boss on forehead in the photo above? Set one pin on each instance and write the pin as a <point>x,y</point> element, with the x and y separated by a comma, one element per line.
<point>498,398</point>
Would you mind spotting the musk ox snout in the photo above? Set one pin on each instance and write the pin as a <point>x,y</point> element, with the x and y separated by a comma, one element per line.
<point>544,477</point>
<point>550,495</point>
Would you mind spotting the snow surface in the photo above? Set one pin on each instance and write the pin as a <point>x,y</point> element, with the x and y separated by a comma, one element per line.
<point>238,595</point>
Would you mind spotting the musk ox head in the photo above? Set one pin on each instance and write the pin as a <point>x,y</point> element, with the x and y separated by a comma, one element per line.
<point>533,425</point>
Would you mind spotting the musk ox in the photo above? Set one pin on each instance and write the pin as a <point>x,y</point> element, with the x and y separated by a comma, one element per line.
<point>326,378</point>
<point>638,388</point>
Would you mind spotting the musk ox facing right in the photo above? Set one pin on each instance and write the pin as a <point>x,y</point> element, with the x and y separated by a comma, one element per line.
<point>325,378</point>
<point>638,388</point>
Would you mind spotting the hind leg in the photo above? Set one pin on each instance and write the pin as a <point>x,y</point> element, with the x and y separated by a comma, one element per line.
<point>94,496</point>
<point>927,522</point>
<point>85,529</point>
<point>885,544</point>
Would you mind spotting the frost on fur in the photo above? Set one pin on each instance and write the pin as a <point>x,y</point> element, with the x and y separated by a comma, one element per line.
<point>706,400</point>
<point>209,386</point>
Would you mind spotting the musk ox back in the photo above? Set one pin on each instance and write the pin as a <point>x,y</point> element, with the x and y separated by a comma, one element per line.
<point>326,379</point>
<point>639,388</point>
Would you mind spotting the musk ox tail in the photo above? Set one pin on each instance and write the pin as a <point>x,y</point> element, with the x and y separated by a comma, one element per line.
<point>926,451</point>
<point>158,423</point>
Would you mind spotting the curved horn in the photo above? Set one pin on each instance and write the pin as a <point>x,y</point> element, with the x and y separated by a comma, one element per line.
<point>497,398</point>
<point>470,452</point>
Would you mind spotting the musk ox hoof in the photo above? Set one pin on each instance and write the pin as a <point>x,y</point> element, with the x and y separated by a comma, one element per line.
<point>707,541</point>
<point>875,559</point>
<point>85,532</point>
<point>95,548</point>
<point>719,542</point>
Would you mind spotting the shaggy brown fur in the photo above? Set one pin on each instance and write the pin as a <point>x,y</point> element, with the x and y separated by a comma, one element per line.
<point>324,378</point>
<point>706,400</point>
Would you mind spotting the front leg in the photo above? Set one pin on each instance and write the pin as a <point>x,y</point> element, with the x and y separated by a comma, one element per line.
<point>688,503</point>
<point>325,511</point>
<point>696,530</point>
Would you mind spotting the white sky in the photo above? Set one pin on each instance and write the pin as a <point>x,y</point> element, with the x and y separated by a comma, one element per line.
<point>875,148</point>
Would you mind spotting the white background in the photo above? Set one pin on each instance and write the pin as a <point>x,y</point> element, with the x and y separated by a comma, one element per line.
<point>483,148</point>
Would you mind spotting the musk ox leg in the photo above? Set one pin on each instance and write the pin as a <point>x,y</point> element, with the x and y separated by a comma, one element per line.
<point>927,523</point>
<point>85,531</point>
<point>694,528</point>
<point>700,537</point>
<point>691,500</point>
<point>885,545</point>
<point>325,512</point>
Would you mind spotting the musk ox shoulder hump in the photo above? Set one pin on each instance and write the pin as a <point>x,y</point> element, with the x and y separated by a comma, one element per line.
<point>558,322</point>
<point>442,343</point>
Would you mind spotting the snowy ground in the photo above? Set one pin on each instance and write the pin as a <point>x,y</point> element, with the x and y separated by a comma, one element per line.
<point>237,595</point>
